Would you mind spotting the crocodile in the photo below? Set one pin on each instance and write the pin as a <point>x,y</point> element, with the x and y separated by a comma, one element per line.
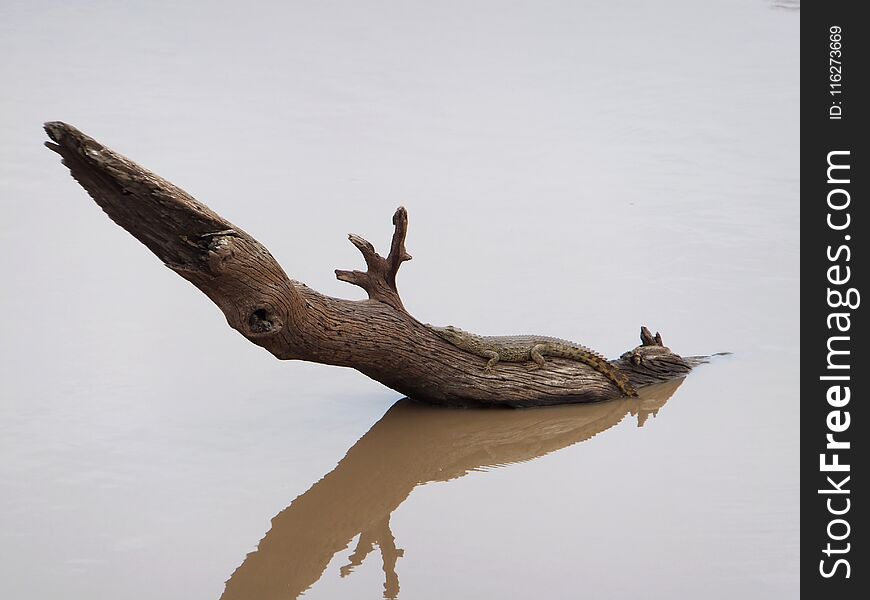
<point>523,348</point>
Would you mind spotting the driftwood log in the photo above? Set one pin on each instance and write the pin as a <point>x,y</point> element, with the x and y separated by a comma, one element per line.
<point>376,336</point>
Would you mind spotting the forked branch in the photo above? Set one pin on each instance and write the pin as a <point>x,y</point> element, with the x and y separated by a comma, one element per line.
<point>379,281</point>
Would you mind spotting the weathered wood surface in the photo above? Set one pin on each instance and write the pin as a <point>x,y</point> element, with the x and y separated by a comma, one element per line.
<point>376,336</point>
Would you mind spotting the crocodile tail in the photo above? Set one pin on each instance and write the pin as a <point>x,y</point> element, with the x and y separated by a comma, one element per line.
<point>614,374</point>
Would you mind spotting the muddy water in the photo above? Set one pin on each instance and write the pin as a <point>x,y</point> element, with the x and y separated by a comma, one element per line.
<point>571,169</point>
<point>412,445</point>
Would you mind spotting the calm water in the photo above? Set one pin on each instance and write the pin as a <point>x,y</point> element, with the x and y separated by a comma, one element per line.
<point>570,168</point>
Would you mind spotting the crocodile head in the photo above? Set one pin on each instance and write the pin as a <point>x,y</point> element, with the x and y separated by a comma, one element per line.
<point>450,333</point>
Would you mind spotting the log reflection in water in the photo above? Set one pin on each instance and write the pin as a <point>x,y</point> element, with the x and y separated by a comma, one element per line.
<point>412,444</point>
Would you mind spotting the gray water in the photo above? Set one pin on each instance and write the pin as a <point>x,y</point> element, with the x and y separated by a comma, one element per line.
<point>570,168</point>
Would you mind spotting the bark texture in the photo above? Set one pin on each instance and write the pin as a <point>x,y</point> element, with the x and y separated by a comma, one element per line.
<point>376,336</point>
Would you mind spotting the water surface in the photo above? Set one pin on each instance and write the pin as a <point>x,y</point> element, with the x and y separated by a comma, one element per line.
<point>570,169</point>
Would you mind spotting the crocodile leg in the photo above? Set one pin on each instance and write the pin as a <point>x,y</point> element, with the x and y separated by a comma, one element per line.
<point>493,357</point>
<point>537,354</point>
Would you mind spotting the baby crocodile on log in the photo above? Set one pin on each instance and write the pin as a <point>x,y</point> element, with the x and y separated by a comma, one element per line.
<point>523,348</point>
